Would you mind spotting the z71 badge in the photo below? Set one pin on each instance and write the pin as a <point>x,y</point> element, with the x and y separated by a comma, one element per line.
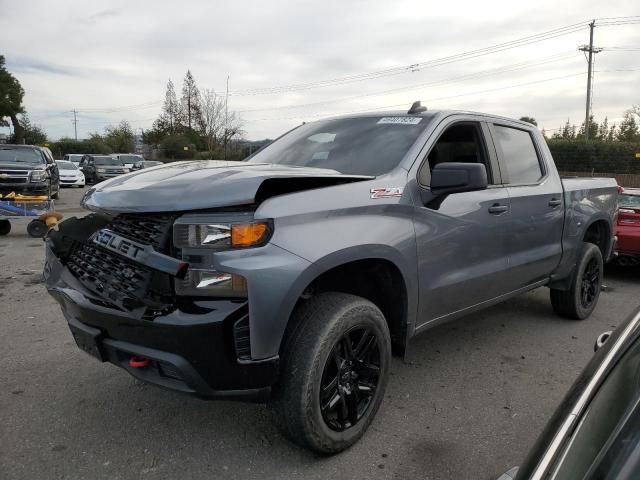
<point>386,192</point>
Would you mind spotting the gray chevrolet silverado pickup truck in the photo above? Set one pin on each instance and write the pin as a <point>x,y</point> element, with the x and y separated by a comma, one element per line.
<point>292,277</point>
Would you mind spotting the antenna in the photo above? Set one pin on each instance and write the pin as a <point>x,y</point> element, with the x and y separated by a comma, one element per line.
<point>417,108</point>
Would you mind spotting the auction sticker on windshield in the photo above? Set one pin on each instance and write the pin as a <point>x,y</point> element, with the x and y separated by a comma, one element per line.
<point>400,120</point>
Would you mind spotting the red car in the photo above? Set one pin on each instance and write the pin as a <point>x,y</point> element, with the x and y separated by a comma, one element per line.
<point>628,228</point>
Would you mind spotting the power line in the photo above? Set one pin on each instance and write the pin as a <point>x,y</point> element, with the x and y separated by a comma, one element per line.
<point>491,90</point>
<point>472,76</point>
<point>421,65</point>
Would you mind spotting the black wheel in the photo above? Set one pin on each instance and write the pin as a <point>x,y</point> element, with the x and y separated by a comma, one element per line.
<point>580,300</point>
<point>5,227</point>
<point>37,229</point>
<point>334,372</point>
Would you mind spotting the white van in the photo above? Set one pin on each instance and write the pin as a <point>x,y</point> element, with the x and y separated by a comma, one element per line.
<point>74,157</point>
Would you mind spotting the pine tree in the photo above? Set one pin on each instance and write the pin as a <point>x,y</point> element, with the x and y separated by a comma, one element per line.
<point>593,128</point>
<point>568,131</point>
<point>190,107</point>
<point>168,122</point>
<point>603,131</point>
<point>628,131</point>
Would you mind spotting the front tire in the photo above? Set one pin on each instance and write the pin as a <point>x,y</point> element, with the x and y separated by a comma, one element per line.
<point>581,299</point>
<point>56,195</point>
<point>334,373</point>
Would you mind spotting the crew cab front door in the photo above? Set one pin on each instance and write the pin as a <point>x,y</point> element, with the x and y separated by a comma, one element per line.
<point>462,241</point>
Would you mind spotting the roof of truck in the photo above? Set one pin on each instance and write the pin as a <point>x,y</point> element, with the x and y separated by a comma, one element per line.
<point>427,114</point>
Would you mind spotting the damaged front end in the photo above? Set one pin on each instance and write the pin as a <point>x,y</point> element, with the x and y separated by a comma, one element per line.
<point>121,259</point>
<point>115,277</point>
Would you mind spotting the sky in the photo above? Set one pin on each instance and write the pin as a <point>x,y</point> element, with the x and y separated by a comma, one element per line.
<point>293,61</point>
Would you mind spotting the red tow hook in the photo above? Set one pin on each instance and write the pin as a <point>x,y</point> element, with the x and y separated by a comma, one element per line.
<point>139,362</point>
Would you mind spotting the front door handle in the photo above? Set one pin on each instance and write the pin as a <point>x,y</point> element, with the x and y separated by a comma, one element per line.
<point>497,209</point>
<point>554,202</point>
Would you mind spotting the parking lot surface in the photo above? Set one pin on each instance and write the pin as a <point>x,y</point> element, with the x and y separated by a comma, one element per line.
<point>468,402</point>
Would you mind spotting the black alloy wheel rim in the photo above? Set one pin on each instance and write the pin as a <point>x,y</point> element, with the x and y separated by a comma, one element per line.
<point>350,378</point>
<point>590,283</point>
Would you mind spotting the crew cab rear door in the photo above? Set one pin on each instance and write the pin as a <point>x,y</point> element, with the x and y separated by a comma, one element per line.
<point>537,205</point>
<point>462,241</point>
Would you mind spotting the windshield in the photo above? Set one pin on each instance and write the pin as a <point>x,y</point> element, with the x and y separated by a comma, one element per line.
<point>107,161</point>
<point>66,166</point>
<point>359,146</point>
<point>21,155</point>
<point>630,200</point>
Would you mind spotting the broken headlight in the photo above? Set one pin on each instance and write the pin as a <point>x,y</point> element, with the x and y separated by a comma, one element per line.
<point>198,237</point>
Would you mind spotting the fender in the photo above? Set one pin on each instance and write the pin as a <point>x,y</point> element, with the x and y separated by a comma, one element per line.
<point>352,254</point>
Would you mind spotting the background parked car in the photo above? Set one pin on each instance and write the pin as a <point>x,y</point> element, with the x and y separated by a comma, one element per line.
<point>628,227</point>
<point>74,157</point>
<point>145,164</point>
<point>128,159</point>
<point>594,433</point>
<point>97,168</point>
<point>28,170</point>
<point>70,174</point>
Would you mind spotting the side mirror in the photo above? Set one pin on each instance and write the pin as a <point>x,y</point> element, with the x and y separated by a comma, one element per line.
<point>451,177</point>
<point>601,340</point>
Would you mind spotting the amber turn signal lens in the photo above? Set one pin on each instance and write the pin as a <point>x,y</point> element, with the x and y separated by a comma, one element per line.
<point>248,235</point>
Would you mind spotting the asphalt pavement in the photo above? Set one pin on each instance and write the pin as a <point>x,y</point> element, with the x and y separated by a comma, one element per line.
<point>468,402</point>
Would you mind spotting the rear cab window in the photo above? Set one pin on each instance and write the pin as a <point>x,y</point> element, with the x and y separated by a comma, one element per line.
<point>519,155</point>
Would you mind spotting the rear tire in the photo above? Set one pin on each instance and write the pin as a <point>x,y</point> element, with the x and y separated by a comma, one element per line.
<point>581,299</point>
<point>5,227</point>
<point>334,372</point>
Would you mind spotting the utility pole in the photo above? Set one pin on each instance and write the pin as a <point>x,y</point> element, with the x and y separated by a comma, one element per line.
<point>75,123</point>
<point>226,118</point>
<point>591,50</point>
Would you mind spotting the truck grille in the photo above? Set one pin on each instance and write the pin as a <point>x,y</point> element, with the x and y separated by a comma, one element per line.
<point>150,230</point>
<point>14,176</point>
<point>113,277</point>
<point>121,281</point>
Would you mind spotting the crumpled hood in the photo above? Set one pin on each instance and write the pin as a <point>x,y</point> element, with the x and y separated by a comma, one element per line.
<point>200,185</point>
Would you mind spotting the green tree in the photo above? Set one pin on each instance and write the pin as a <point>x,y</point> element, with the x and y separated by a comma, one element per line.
<point>33,134</point>
<point>119,138</point>
<point>603,130</point>
<point>568,131</point>
<point>530,120</point>
<point>96,143</point>
<point>593,129</point>
<point>11,96</point>
<point>190,107</point>
<point>168,123</point>
<point>628,130</point>
<point>177,147</point>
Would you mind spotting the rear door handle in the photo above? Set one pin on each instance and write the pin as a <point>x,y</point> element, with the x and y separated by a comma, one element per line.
<point>554,202</point>
<point>497,209</point>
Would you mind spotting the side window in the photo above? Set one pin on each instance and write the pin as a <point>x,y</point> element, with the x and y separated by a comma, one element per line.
<point>459,143</point>
<point>519,155</point>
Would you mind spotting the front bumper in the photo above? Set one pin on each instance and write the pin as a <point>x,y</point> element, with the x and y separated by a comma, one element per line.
<point>188,351</point>
<point>32,188</point>
<point>72,181</point>
<point>107,176</point>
